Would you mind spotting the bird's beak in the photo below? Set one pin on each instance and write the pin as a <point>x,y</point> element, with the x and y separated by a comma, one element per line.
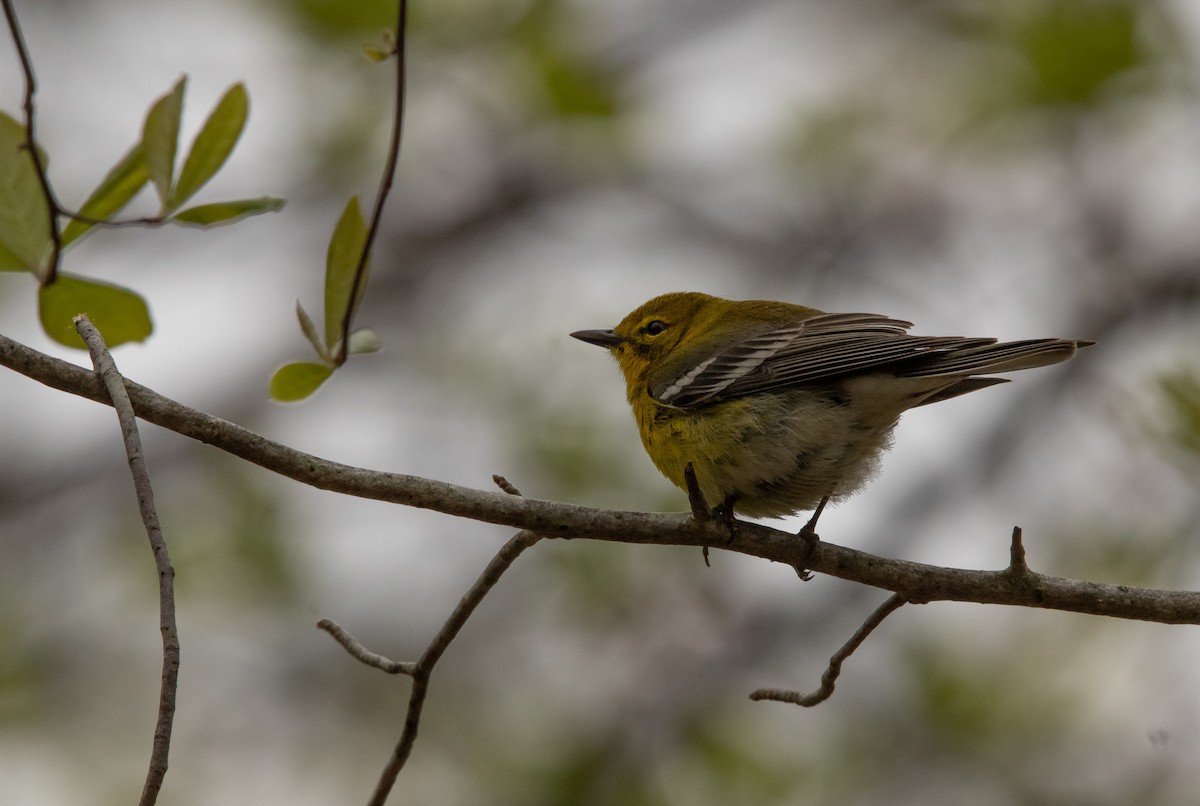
<point>600,338</point>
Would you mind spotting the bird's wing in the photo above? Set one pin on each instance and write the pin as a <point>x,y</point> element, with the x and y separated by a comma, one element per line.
<point>826,347</point>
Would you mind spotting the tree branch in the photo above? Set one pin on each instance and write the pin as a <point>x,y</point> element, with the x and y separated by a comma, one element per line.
<point>916,582</point>
<point>114,385</point>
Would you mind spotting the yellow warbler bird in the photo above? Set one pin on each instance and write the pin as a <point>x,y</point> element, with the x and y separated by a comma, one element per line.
<point>779,408</point>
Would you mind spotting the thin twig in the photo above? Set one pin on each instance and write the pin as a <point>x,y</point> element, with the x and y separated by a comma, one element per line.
<point>385,182</point>
<point>829,678</point>
<point>52,206</point>
<point>114,223</point>
<point>360,652</point>
<point>115,385</point>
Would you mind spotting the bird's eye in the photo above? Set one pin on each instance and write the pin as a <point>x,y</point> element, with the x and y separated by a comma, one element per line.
<point>655,327</point>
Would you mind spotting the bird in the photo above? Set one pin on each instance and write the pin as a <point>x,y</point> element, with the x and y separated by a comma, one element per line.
<point>767,409</point>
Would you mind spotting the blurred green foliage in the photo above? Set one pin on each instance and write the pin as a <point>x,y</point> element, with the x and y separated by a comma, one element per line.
<point>1074,50</point>
<point>337,21</point>
<point>231,542</point>
<point>575,86</point>
<point>1179,428</point>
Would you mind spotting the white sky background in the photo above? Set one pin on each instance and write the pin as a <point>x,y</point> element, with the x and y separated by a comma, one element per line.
<point>706,117</point>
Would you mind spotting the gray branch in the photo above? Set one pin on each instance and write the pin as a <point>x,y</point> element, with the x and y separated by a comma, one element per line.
<point>914,582</point>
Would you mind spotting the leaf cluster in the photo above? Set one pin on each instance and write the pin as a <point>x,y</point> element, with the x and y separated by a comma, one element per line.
<point>29,242</point>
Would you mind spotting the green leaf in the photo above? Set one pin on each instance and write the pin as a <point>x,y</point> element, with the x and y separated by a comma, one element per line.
<point>293,382</point>
<point>376,54</point>
<point>121,184</point>
<point>207,215</point>
<point>362,341</point>
<point>118,313</point>
<point>213,144</point>
<point>341,262</point>
<point>383,51</point>
<point>10,261</point>
<point>309,329</point>
<point>24,217</point>
<point>160,138</point>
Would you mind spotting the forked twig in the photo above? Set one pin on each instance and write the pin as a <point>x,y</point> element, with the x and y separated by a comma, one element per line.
<point>106,368</point>
<point>829,678</point>
<point>421,670</point>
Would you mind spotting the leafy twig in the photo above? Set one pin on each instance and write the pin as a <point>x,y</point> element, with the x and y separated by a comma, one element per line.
<point>52,206</point>
<point>385,183</point>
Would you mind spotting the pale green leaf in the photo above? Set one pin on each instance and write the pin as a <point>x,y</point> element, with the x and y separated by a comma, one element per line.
<point>121,184</point>
<point>341,262</point>
<point>160,138</point>
<point>309,329</point>
<point>293,382</point>
<point>362,341</point>
<point>207,215</point>
<point>383,51</point>
<point>24,216</point>
<point>376,53</point>
<point>213,144</point>
<point>118,313</point>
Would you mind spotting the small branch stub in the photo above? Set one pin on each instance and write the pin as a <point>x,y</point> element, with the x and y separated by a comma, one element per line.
<point>506,485</point>
<point>1017,565</point>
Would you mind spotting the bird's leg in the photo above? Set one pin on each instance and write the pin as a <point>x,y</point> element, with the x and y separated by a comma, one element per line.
<point>809,535</point>
<point>724,512</point>
<point>809,532</point>
<point>699,506</point>
<point>700,511</point>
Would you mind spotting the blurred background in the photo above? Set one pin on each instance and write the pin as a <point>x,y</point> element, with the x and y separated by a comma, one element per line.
<point>1014,170</point>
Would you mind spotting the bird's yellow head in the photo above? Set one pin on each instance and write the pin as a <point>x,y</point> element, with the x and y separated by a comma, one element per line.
<point>670,334</point>
<point>655,334</point>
